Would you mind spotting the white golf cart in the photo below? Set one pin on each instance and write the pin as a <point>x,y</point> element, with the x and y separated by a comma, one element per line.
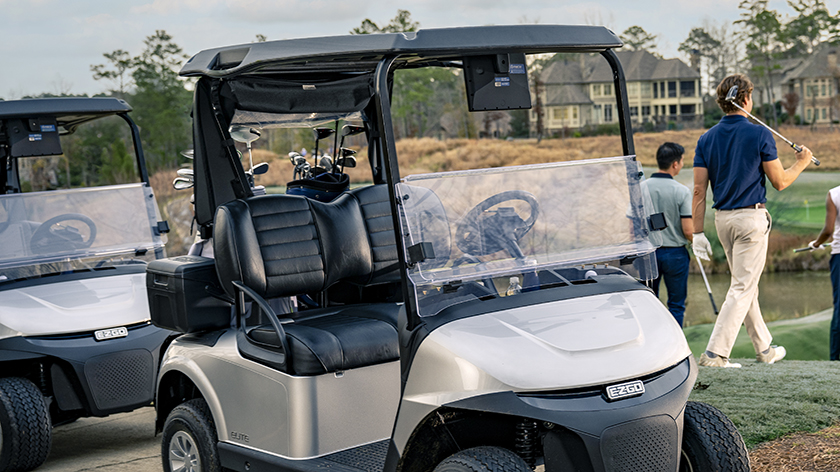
<point>421,351</point>
<point>75,334</point>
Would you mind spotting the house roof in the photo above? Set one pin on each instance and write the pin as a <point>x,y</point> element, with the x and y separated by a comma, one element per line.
<point>637,65</point>
<point>815,65</point>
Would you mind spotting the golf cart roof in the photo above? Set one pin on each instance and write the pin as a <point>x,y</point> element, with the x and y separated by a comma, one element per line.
<point>68,111</point>
<point>364,51</point>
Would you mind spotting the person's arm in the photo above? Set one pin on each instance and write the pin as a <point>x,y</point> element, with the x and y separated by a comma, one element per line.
<point>698,202</point>
<point>780,177</point>
<point>828,229</point>
<point>688,228</point>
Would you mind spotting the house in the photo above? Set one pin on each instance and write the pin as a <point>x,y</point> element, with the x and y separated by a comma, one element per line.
<point>578,90</point>
<point>815,82</point>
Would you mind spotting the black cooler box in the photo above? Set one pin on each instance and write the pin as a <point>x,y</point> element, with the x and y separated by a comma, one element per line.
<point>185,295</point>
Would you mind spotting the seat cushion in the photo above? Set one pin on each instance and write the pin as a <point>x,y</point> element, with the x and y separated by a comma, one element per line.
<point>337,338</point>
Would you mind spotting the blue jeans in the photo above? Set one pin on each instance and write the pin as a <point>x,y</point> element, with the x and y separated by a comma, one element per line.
<point>834,337</point>
<point>672,263</point>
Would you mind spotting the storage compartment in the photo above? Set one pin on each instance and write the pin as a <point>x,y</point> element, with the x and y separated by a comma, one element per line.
<point>185,295</point>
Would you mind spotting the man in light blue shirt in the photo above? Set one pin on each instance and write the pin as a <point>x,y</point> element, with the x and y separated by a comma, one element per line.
<point>673,199</point>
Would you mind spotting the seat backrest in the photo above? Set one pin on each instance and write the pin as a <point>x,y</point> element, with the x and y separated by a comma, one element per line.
<point>376,211</point>
<point>283,245</point>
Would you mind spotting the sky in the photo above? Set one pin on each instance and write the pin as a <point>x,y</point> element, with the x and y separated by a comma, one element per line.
<point>49,45</point>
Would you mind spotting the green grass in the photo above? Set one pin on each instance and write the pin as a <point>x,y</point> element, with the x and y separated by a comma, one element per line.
<point>765,402</point>
<point>805,339</point>
<point>769,401</point>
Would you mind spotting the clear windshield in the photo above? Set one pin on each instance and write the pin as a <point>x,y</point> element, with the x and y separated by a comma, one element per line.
<point>483,225</point>
<point>85,225</point>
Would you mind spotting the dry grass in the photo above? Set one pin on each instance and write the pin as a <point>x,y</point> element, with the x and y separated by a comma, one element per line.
<point>818,451</point>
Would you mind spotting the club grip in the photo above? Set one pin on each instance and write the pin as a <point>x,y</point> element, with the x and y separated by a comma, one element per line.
<point>815,161</point>
<point>796,147</point>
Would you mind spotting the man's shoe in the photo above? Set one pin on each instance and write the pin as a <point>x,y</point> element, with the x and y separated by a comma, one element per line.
<point>717,361</point>
<point>775,353</point>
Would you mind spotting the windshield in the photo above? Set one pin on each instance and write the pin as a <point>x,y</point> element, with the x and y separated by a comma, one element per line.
<point>43,232</point>
<point>486,225</point>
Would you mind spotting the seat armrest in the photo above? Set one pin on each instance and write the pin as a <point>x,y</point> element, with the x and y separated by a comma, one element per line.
<point>242,289</point>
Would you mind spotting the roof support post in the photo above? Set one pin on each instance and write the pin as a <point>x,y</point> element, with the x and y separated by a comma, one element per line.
<point>138,150</point>
<point>388,159</point>
<point>623,106</point>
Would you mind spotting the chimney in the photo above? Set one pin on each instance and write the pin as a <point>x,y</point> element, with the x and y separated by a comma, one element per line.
<point>832,60</point>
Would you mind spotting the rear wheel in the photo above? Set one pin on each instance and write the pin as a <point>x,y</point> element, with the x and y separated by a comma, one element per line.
<point>189,439</point>
<point>483,458</point>
<point>25,429</point>
<point>711,441</point>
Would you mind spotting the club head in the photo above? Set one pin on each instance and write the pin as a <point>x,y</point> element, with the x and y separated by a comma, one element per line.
<point>188,153</point>
<point>321,133</point>
<point>299,160</point>
<point>346,161</point>
<point>185,172</point>
<point>244,134</point>
<point>260,168</point>
<point>181,183</point>
<point>350,130</point>
<point>347,152</point>
<point>326,162</point>
<point>732,93</point>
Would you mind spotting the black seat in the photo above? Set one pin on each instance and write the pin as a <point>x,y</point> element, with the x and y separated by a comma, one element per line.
<point>283,245</point>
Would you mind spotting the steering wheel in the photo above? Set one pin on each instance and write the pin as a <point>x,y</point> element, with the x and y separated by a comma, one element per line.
<point>48,239</point>
<point>482,232</point>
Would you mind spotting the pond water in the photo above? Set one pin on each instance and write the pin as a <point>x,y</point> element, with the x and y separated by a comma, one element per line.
<point>782,295</point>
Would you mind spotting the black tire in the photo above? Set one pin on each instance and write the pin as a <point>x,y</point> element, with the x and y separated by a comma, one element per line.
<point>711,442</point>
<point>189,437</point>
<point>483,458</point>
<point>25,429</point>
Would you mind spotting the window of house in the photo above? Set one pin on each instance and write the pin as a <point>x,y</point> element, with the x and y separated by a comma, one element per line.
<point>672,89</point>
<point>634,111</point>
<point>661,89</point>
<point>823,113</point>
<point>808,114</point>
<point>686,88</point>
<point>822,91</point>
<point>645,110</point>
<point>607,89</point>
<point>687,109</point>
<point>655,91</point>
<point>596,90</point>
<point>574,112</point>
<point>672,109</point>
<point>645,89</point>
<point>559,113</point>
<point>608,113</point>
<point>632,89</point>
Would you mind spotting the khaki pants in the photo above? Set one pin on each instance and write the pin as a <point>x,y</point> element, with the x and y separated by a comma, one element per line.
<point>743,235</point>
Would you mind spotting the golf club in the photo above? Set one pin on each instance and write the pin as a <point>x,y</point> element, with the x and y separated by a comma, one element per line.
<point>320,133</point>
<point>803,249</point>
<point>708,287</point>
<point>730,97</point>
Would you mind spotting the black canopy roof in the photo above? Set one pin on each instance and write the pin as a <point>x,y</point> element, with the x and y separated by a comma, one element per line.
<point>363,52</point>
<point>69,111</point>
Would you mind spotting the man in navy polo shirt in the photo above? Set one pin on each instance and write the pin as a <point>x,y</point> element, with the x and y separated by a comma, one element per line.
<point>735,156</point>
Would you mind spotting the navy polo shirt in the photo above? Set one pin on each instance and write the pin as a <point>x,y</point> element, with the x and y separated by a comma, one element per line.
<point>733,151</point>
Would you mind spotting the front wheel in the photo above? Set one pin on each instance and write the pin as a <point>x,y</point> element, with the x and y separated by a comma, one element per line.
<point>189,439</point>
<point>711,441</point>
<point>483,458</point>
<point>25,429</point>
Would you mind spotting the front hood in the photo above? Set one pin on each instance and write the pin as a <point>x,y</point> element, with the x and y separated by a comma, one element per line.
<point>75,306</point>
<point>559,345</point>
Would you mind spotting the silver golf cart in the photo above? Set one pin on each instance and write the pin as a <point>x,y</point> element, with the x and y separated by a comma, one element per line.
<point>75,334</point>
<point>487,319</point>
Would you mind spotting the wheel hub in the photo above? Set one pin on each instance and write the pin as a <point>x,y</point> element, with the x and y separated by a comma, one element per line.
<point>183,453</point>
